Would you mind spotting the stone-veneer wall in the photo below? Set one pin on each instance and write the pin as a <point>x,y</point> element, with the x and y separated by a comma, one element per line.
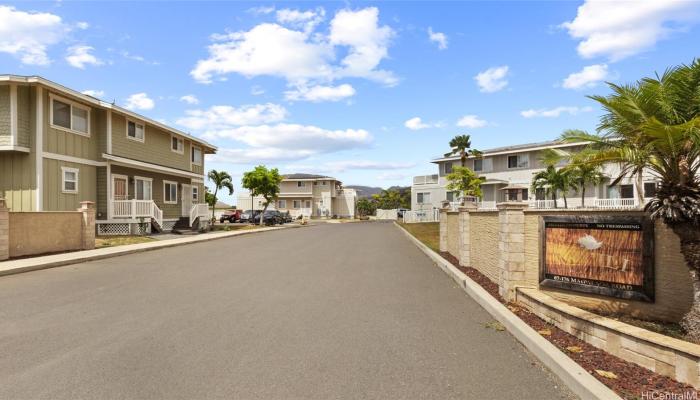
<point>453,240</point>
<point>484,243</point>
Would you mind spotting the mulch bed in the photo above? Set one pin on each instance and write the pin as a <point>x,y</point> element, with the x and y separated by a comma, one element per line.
<point>632,380</point>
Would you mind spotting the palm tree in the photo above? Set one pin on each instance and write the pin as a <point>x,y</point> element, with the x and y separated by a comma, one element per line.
<point>461,144</point>
<point>655,124</point>
<point>552,180</point>
<point>583,172</point>
<point>221,180</point>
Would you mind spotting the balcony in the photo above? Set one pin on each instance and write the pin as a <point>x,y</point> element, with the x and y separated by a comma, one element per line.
<point>425,179</point>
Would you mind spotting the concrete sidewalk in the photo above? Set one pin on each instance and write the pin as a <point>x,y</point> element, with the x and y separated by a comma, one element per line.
<point>56,260</point>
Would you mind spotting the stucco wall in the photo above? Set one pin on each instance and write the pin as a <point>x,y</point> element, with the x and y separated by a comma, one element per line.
<point>484,243</point>
<point>44,232</point>
<point>672,280</point>
<point>344,206</point>
<point>452,235</point>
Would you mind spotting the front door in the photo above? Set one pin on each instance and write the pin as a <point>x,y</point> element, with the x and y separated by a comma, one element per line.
<point>120,188</point>
<point>186,200</point>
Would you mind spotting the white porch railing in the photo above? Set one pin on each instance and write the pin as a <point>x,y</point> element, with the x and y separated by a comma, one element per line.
<point>575,202</point>
<point>197,211</point>
<point>425,179</point>
<point>616,203</point>
<point>411,217</point>
<point>137,209</point>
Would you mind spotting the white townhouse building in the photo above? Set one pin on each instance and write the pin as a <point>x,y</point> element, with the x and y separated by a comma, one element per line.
<point>508,172</point>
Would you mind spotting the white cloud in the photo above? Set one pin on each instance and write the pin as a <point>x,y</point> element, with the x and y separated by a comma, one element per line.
<point>136,57</point>
<point>302,55</point>
<point>392,176</point>
<point>554,112</point>
<point>94,93</point>
<point>139,101</point>
<point>589,76</point>
<point>224,117</point>
<point>492,80</point>
<point>471,121</point>
<point>80,56</point>
<point>307,20</point>
<point>416,123</point>
<point>190,99</point>
<point>257,90</point>
<point>619,29</point>
<point>438,37</point>
<point>257,155</point>
<point>28,35</point>
<point>320,93</point>
<point>82,25</point>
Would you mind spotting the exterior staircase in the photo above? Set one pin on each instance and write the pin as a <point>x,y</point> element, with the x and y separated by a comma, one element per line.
<point>183,227</point>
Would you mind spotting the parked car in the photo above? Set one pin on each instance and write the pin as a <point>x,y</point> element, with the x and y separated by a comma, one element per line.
<point>270,217</point>
<point>287,217</point>
<point>230,216</point>
<point>248,216</point>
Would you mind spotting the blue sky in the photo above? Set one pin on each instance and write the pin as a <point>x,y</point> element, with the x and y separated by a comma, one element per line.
<point>367,92</point>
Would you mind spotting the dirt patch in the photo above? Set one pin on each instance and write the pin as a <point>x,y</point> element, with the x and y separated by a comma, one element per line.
<point>628,380</point>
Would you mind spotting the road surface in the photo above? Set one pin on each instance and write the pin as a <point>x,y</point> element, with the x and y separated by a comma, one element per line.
<point>331,311</point>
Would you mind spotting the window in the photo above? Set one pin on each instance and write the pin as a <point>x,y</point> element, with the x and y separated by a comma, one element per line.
<point>447,168</point>
<point>282,204</point>
<point>296,203</point>
<point>452,196</point>
<point>135,131</point>
<point>627,191</point>
<point>177,145</point>
<point>478,165</point>
<point>518,161</point>
<point>143,188</point>
<point>70,116</point>
<point>308,203</point>
<point>301,184</point>
<point>195,194</point>
<point>649,189</point>
<point>196,156</point>
<point>69,179</point>
<point>169,192</point>
<point>423,198</point>
<point>323,183</point>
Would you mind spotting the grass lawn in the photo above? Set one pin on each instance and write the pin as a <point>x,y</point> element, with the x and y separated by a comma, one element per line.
<point>112,241</point>
<point>233,227</point>
<point>426,232</point>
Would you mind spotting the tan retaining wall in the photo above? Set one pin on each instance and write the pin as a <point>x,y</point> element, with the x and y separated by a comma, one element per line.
<point>34,233</point>
<point>453,235</point>
<point>484,243</point>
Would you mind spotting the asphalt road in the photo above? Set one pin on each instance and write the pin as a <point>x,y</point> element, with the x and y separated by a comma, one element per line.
<point>332,311</point>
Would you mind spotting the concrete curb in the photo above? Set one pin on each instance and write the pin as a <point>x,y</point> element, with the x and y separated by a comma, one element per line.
<point>573,375</point>
<point>57,260</point>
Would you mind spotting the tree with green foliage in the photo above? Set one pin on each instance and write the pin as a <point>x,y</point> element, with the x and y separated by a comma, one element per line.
<point>263,182</point>
<point>365,207</point>
<point>552,181</point>
<point>583,172</point>
<point>654,124</point>
<point>465,181</point>
<point>392,198</point>
<point>221,180</point>
<point>462,145</point>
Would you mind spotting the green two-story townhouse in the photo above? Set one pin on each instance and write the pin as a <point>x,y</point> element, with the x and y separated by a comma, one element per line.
<point>59,147</point>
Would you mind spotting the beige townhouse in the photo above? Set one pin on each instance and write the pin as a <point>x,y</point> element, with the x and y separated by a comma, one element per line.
<point>59,147</point>
<point>508,172</point>
<point>308,195</point>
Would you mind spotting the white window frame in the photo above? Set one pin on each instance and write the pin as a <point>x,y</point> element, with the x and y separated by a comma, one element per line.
<point>301,184</point>
<point>307,203</point>
<point>195,194</point>
<point>201,155</point>
<point>136,192</point>
<point>282,204</point>
<point>474,165</point>
<point>136,122</point>
<point>525,156</point>
<point>180,142</point>
<point>165,185</point>
<point>72,104</point>
<point>444,167</point>
<point>296,204</point>
<point>76,171</point>
<point>421,200</point>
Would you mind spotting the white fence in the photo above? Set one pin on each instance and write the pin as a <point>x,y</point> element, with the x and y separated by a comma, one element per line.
<point>412,217</point>
<point>137,209</point>
<point>387,214</point>
<point>575,202</point>
<point>199,211</point>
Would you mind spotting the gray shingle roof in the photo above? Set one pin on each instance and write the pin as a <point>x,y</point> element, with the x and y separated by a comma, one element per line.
<point>306,176</point>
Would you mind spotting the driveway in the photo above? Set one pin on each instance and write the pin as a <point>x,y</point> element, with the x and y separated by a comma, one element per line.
<point>332,311</point>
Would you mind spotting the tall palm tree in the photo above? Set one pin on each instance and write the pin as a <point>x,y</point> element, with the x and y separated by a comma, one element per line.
<point>221,180</point>
<point>462,145</point>
<point>552,180</point>
<point>583,172</point>
<point>655,124</point>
